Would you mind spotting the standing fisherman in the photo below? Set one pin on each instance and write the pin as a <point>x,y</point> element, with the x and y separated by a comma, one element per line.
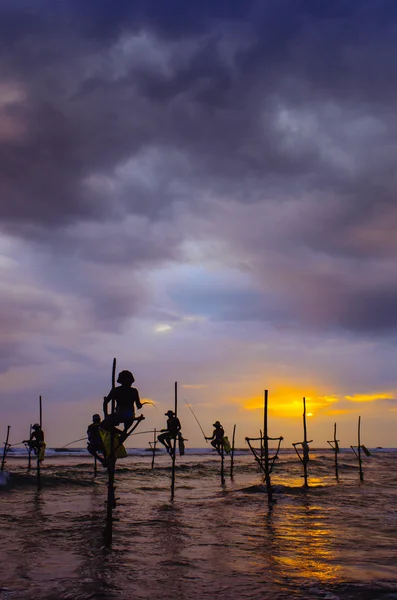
<point>172,431</point>
<point>217,437</point>
<point>125,397</point>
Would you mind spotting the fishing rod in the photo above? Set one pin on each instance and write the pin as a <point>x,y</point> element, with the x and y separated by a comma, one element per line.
<point>84,438</point>
<point>74,441</point>
<point>198,422</point>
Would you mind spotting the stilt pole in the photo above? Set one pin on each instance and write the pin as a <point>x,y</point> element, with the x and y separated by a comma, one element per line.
<point>38,446</point>
<point>335,447</point>
<point>222,465</point>
<point>153,444</point>
<point>266,450</point>
<point>304,457</point>
<point>5,449</point>
<point>360,463</point>
<point>30,450</point>
<point>173,445</point>
<point>305,448</point>
<point>111,504</point>
<point>232,454</point>
<point>358,452</point>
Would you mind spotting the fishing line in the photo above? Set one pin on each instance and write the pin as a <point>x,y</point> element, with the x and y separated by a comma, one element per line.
<point>198,422</point>
<point>74,441</point>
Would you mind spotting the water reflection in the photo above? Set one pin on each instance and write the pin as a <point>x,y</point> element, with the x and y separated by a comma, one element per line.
<point>170,540</point>
<point>306,541</point>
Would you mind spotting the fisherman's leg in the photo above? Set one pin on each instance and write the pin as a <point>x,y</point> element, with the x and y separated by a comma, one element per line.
<point>93,450</point>
<point>101,459</point>
<point>110,422</point>
<point>171,444</point>
<point>127,424</point>
<point>163,439</point>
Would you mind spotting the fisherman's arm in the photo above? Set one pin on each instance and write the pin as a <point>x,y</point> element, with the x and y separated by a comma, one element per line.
<point>138,400</point>
<point>106,401</point>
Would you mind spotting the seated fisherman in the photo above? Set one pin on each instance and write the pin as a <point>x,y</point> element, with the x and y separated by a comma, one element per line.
<point>217,437</point>
<point>172,431</point>
<point>95,443</point>
<point>125,397</point>
<point>36,439</point>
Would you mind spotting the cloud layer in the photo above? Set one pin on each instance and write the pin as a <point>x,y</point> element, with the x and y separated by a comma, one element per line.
<point>206,190</point>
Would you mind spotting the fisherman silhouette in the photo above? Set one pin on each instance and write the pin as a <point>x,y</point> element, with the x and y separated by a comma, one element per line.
<point>217,437</point>
<point>95,443</point>
<point>125,397</point>
<point>172,431</point>
<point>36,440</point>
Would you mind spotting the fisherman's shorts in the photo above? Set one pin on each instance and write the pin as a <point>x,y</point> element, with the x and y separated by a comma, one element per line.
<point>126,416</point>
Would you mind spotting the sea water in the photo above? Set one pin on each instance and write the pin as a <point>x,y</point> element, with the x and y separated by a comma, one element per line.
<point>334,540</point>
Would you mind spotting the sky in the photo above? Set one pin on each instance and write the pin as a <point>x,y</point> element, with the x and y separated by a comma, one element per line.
<point>207,192</point>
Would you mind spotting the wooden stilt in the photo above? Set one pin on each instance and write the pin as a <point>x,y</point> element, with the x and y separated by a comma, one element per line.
<point>173,445</point>
<point>335,447</point>
<point>153,446</point>
<point>304,457</point>
<point>261,456</point>
<point>38,444</point>
<point>5,449</point>
<point>255,453</point>
<point>266,450</point>
<point>111,503</point>
<point>360,462</point>
<point>232,454</point>
<point>305,449</point>
<point>357,451</point>
<point>222,465</point>
<point>29,450</point>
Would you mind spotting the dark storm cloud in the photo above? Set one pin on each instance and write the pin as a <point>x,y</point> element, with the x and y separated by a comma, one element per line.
<point>217,105</point>
<point>374,311</point>
<point>134,109</point>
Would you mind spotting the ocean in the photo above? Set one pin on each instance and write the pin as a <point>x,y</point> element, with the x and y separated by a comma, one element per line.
<point>336,540</point>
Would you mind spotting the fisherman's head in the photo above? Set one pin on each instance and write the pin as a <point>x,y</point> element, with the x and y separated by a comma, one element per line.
<point>217,424</point>
<point>169,413</point>
<point>125,378</point>
<point>36,426</point>
<point>96,418</point>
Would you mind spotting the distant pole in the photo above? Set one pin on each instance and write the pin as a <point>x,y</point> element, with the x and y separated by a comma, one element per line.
<point>266,450</point>
<point>173,445</point>
<point>232,454</point>
<point>38,444</point>
<point>110,504</point>
<point>154,446</point>
<point>222,465</point>
<point>359,450</point>
<point>30,450</point>
<point>5,449</point>
<point>304,457</point>
<point>336,446</point>
<point>305,448</point>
